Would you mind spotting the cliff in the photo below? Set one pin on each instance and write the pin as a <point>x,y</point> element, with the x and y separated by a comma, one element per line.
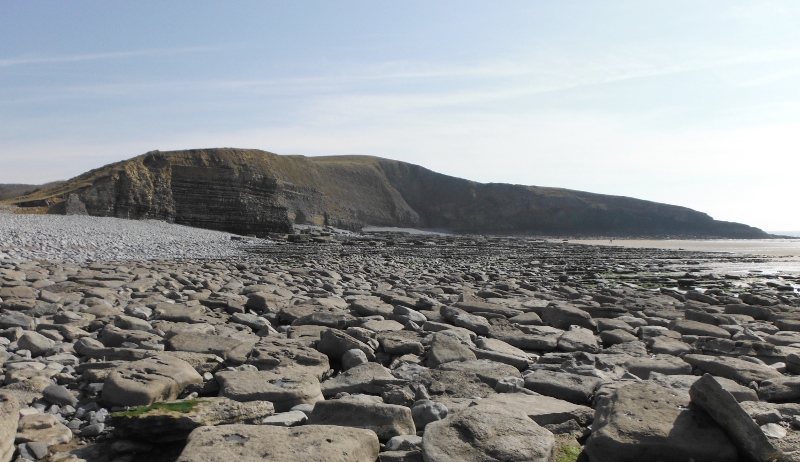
<point>249,191</point>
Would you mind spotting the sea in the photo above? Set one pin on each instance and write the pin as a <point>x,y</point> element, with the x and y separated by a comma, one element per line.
<point>782,255</point>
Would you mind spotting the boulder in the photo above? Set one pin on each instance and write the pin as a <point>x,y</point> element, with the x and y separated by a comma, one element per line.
<point>174,420</point>
<point>42,428</point>
<point>139,383</point>
<point>709,395</point>
<point>544,410</point>
<point>460,318</point>
<point>578,339</point>
<point>335,344</point>
<point>386,420</point>
<point>425,411</point>
<point>564,316</point>
<point>232,350</point>
<point>282,356</point>
<point>9,418</point>
<point>36,343</point>
<point>60,395</point>
<point>780,389</point>
<point>488,371</point>
<point>283,390</point>
<point>307,443</point>
<point>501,352</point>
<point>736,369</point>
<point>447,348</point>
<point>643,421</point>
<point>371,378</point>
<point>485,432</point>
<point>685,382</point>
<point>687,327</point>
<point>577,389</point>
<point>662,364</point>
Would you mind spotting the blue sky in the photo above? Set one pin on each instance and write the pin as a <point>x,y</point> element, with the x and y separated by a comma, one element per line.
<point>683,102</point>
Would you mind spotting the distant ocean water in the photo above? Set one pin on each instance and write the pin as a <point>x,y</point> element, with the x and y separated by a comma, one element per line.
<point>784,254</point>
<point>786,233</point>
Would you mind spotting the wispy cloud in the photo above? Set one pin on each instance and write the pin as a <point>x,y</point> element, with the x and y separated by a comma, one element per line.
<point>34,59</point>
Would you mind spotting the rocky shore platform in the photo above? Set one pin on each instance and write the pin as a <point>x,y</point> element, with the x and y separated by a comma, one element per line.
<point>393,347</point>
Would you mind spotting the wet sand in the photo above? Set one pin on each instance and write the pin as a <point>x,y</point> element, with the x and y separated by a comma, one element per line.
<point>783,254</point>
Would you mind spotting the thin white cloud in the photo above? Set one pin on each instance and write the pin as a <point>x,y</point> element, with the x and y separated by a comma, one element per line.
<point>32,59</point>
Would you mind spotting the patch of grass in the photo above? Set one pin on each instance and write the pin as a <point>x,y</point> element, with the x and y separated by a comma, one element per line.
<point>567,453</point>
<point>177,406</point>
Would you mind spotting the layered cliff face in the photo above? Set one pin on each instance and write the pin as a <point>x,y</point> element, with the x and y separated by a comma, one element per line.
<point>256,192</point>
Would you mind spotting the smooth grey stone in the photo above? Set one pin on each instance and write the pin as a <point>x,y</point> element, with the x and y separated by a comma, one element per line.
<point>59,395</point>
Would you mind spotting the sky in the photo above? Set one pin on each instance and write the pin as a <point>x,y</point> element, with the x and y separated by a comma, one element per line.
<point>682,102</point>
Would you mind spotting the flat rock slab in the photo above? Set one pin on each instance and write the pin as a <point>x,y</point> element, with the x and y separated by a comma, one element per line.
<point>286,356</point>
<point>564,316</point>
<point>42,428</point>
<point>446,384</point>
<point>283,390</point>
<point>642,421</point>
<point>140,383</point>
<point>335,344</point>
<point>544,410</point>
<point>486,433</point>
<point>233,350</point>
<point>736,369</point>
<point>307,443</point>
<point>662,364</point>
<point>687,327</point>
<point>446,348</point>
<point>9,418</point>
<point>685,382</point>
<point>174,420</point>
<point>574,388</point>
<point>488,371</point>
<point>780,389</point>
<point>386,420</point>
<point>365,378</point>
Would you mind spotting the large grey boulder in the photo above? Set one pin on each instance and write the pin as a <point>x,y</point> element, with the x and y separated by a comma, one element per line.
<point>174,420</point>
<point>386,420</point>
<point>9,418</point>
<point>283,390</point>
<point>723,408</point>
<point>487,433</point>
<point>139,383</point>
<point>307,443</point>
<point>642,421</point>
